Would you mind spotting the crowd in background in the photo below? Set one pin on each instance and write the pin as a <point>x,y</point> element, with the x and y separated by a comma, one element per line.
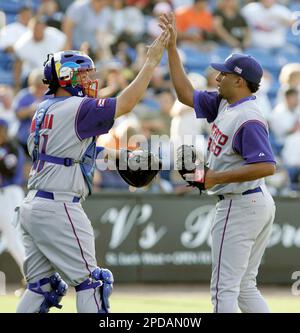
<point>115,34</point>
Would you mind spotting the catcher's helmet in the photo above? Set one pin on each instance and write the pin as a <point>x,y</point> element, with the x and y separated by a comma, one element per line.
<point>68,69</point>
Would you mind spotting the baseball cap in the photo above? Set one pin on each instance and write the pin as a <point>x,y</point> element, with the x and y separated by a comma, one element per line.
<point>243,65</point>
<point>3,123</point>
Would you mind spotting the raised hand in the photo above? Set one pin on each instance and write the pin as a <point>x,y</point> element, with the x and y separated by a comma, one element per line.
<point>156,49</point>
<point>167,22</point>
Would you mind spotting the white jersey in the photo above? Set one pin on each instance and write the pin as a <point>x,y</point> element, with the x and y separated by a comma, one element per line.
<point>239,136</point>
<point>68,129</point>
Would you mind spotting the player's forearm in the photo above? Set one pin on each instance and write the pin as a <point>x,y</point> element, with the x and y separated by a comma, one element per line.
<point>182,85</point>
<point>131,95</point>
<point>245,173</point>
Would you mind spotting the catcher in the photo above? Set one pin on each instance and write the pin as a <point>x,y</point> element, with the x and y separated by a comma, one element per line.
<point>58,236</point>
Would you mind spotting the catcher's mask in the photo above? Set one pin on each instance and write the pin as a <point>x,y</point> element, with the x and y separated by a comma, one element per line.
<point>73,71</point>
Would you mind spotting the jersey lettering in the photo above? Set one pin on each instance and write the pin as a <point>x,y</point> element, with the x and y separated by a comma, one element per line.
<point>216,140</point>
<point>47,123</point>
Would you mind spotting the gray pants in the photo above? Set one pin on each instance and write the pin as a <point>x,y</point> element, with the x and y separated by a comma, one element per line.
<point>58,237</point>
<point>240,233</point>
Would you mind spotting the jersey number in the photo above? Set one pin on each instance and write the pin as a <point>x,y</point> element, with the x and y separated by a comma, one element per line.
<point>213,147</point>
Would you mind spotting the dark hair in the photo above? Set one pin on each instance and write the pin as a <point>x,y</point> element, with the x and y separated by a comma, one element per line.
<point>253,87</point>
<point>23,9</point>
<point>291,91</point>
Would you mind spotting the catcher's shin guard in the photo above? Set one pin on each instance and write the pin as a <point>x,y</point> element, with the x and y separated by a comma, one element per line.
<point>53,297</point>
<point>100,278</point>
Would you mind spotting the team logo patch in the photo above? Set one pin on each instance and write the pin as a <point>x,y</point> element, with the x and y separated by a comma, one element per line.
<point>238,70</point>
<point>101,102</point>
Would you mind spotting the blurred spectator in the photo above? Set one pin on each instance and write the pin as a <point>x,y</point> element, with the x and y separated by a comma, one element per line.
<point>146,6</point>
<point>289,77</point>
<point>114,80</point>
<point>160,8</point>
<point>120,136</point>
<point>230,26</point>
<point>279,183</point>
<point>285,119</point>
<point>268,21</point>
<point>51,11</point>
<point>88,21</point>
<point>159,83</point>
<point>6,110</point>
<point>262,95</point>
<point>194,23</point>
<point>210,75</point>
<point>11,193</point>
<point>183,117</point>
<point>291,158</point>
<point>64,4</point>
<point>32,48</point>
<point>132,33</point>
<point>141,54</point>
<point>181,3</point>
<point>166,101</point>
<point>2,19</point>
<point>13,31</point>
<point>25,104</point>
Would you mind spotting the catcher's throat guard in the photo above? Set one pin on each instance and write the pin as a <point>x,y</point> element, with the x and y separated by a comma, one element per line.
<point>138,168</point>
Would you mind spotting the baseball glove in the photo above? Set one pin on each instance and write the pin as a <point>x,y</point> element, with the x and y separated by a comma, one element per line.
<point>189,168</point>
<point>138,167</point>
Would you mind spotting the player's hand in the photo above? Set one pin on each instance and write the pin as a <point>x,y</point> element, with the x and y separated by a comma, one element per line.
<point>156,49</point>
<point>167,22</point>
<point>210,178</point>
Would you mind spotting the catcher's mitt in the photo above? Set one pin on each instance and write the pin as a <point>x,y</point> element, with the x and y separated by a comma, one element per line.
<point>138,167</point>
<point>189,168</point>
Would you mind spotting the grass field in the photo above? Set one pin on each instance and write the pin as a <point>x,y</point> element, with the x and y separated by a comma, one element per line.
<point>165,299</point>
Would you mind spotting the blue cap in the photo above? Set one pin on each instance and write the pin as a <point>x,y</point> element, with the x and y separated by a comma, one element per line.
<point>243,65</point>
<point>3,123</point>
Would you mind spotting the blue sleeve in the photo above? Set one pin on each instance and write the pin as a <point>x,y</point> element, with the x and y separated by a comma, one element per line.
<point>251,141</point>
<point>95,117</point>
<point>206,104</point>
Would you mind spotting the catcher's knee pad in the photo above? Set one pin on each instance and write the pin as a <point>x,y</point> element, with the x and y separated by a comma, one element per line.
<point>103,279</point>
<point>53,297</point>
